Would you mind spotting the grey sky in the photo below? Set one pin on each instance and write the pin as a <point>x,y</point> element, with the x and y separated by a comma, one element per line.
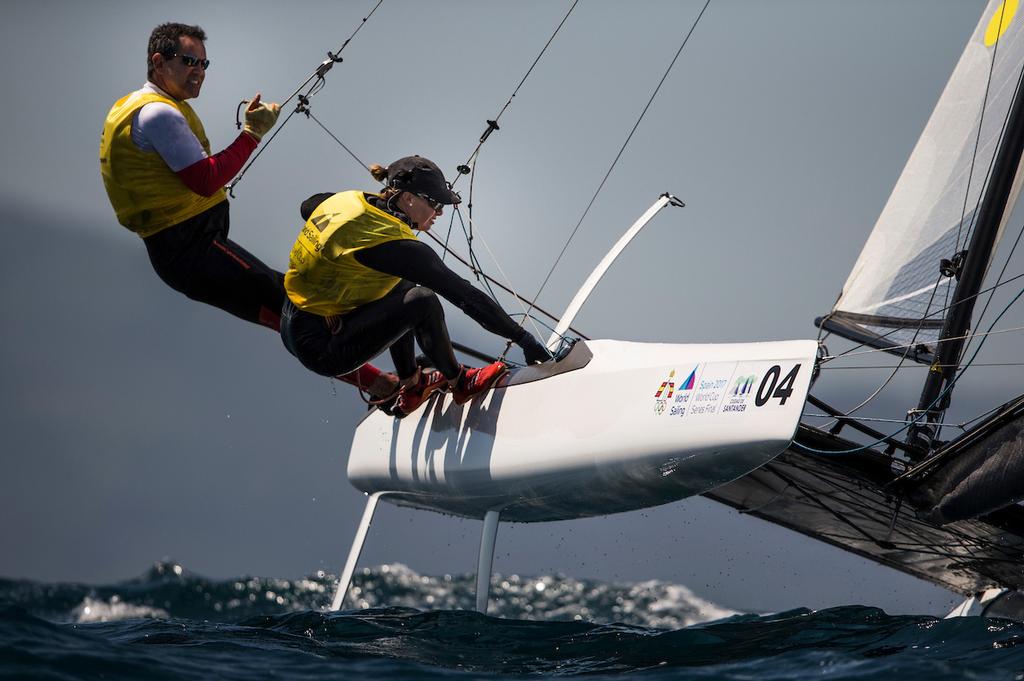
<point>140,425</point>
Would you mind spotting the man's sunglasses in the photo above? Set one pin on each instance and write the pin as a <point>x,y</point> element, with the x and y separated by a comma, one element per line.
<point>436,206</point>
<point>191,60</point>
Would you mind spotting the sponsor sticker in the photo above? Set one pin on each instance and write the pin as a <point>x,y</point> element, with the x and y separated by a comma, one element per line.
<point>725,388</point>
<point>670,399</point>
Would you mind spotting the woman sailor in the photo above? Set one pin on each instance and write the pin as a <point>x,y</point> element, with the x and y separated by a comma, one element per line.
<point>360,282</point>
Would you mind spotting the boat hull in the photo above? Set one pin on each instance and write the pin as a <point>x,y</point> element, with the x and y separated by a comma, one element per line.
<point>613,426</point>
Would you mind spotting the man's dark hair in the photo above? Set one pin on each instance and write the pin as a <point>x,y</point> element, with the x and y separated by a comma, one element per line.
<point>164,39</point>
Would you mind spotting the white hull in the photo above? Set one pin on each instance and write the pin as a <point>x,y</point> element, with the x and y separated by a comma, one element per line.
<point>593,438</point>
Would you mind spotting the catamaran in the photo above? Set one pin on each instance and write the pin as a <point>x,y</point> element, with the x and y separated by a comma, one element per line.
<point>611,426</point>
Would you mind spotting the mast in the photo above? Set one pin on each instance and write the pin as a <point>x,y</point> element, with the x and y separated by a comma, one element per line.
<point>970,276</point>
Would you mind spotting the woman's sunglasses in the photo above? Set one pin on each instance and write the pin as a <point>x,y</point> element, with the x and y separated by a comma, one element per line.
<point>436,206</point>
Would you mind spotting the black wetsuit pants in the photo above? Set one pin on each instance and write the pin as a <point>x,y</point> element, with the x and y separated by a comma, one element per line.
<point>195,257</point>
<point>339,345</point>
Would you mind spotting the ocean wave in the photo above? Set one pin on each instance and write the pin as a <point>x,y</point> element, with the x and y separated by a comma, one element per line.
<point>851,642</point>
<point>172,624</point>
<point>169,590</point>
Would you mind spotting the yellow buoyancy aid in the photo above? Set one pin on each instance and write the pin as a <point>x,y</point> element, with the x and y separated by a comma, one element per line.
<point>323,274</point>
<point>146,194</point>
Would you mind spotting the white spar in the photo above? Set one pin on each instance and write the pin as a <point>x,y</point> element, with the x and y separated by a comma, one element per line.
<point>581,296</point>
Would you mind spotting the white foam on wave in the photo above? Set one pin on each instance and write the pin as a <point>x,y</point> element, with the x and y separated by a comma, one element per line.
<point>674,605</point>
<point>113,610</point>
<point>653,603</point>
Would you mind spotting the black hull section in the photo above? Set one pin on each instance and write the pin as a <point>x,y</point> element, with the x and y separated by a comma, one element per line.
<point>854,502</point>
<point>977,474</point>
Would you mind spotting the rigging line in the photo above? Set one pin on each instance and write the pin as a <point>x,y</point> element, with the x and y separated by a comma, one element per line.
<point>493,125</point>
<point>821,326</point>
<point>985,181</point>
<point>448,236</point>
<point>855,499</point>
<point>977,140</point>
<point>867,509</point>
<point>467,230</point>
<point>849,493</point>
<point>470,167</point>
<point>504,288</point>
<point>474,262</point>
<point>319,75</point>
<point>967,546</point>
<point>1002,134</point>
<point>974,156</point>
<point>334,56</point>
<point>924,366</point>
<point>980,416</point>
<point>919,413</point>
<point>302,106</point>
<point>903,358</point>
<point>815,501</point>
<point>931,314</point>
<point>534,319</point>
<point>868,418</point>
<point>917,331</point>
<point>335,138</point>
<point>1003,411</point>
<point>621,150</point>
<point>967,553</point>
<point>998,280</point>
<point>896,347</point>
<point>501,272</point>
<point>850,499</point>
<point>971,544</point>
<point>477,268</point>
<point>231,185</point>
<point>754,510</point>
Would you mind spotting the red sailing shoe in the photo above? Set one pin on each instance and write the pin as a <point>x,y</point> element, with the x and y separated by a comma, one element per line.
<point>475,381</point>
<point>410,398</point>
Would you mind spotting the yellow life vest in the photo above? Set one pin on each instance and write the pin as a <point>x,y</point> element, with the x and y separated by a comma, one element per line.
<point>323,274</point>
<point>146,194</point>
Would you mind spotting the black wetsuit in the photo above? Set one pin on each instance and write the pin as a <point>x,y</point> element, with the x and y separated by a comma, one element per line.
<point>195,257</point>
<point>410,310</point>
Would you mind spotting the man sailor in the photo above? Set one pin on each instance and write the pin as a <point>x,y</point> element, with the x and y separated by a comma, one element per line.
<point>165,186</point>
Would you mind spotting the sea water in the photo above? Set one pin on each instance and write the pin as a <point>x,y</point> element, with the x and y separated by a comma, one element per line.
<point>170,624</point>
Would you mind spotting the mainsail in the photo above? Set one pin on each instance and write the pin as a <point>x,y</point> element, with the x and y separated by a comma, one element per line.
<point>897,293</point>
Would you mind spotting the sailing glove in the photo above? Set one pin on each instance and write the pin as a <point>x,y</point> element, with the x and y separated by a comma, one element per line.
<point>260,117</point>
<point>533,351</point>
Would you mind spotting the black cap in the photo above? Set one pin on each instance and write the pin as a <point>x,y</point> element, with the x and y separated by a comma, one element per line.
<point>421,176</point>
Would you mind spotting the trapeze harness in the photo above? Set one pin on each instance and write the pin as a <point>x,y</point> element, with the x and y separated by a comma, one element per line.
<point>166,187</point>
<point>359,282</point>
